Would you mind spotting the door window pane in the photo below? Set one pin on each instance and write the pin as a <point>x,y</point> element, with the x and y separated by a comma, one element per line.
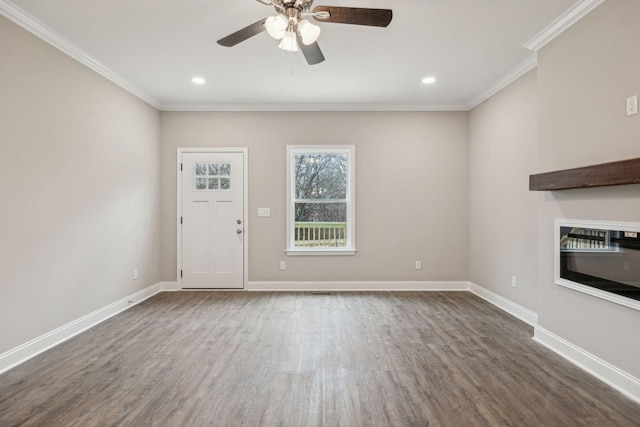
<point>208,176</point>
<point>201,183</point>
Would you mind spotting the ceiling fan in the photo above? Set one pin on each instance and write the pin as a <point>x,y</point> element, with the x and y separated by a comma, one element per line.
<point>294,31</point>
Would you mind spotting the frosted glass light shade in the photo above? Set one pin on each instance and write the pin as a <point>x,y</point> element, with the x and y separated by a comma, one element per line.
<point>308,31</point>
<point>288,42</point>
<point>276,26</point>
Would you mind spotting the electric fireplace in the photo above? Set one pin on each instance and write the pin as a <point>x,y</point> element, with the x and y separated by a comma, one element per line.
<point>599,258</point>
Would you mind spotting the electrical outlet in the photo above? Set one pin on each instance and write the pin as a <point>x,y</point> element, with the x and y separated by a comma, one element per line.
<point>283,265</point>
<point>135,274</point>
<point>418,265</point>
<point>632,105</point>
<point>514,281</point>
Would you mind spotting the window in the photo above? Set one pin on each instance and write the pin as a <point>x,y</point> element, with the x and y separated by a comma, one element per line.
<point>320,194</point>
<point>212,176</point>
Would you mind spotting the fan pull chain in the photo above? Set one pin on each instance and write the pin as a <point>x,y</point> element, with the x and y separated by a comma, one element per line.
<point>283,53</point>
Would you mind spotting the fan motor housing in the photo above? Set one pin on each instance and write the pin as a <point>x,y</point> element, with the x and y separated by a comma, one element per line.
<point>303,6</point>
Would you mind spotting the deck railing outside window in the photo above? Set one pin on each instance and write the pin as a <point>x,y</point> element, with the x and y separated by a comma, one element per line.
<point>320,234</point>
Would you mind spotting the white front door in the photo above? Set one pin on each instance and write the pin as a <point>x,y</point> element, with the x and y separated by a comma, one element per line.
<point>212,220</point>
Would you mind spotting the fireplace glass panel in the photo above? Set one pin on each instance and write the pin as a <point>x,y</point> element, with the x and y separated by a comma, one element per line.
<point>605,259</point>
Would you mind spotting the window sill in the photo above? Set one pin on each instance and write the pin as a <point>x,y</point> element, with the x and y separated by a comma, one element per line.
<point>319,252</point>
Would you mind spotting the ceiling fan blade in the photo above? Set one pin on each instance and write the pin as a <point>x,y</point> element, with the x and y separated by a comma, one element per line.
<point>243,34</point>
<point>355,15</point>
<point>312,52</point>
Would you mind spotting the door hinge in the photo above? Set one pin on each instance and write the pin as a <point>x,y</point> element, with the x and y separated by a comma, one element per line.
<point>180,166</point>
<point>180,273</point>
<point>180,220</point>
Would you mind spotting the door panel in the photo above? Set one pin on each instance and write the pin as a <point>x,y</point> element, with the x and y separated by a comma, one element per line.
<point>212,216</point>
<point>200,249</point>
<point>224,264</point>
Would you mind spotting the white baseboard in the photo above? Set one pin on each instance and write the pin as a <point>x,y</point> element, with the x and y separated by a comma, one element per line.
<point>44,342</point>
<point>604,371</point>
<point>509,306</point>
<point>170,286</point>
<point>357,286</point>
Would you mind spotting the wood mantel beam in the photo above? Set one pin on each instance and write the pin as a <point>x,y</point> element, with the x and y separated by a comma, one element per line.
<point>602,175</point>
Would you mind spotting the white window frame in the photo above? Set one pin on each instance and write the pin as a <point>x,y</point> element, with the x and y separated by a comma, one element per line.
<point>350,151</point>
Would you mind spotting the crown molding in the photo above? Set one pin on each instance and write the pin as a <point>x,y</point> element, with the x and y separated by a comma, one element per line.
<point>521,69</point>
<point>570,17</point>
<point>40,30</point>
<point>567,19</point>
<point>310,107</point>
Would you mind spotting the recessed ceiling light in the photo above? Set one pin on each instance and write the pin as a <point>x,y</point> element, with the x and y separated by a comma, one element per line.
<point>429,80</point>
<point>198,80</point>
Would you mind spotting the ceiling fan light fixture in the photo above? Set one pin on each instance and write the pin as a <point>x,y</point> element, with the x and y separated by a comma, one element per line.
<point>276,26</point>
<point>296,33</point>
<point>289,42</point>
<point>308,31</point>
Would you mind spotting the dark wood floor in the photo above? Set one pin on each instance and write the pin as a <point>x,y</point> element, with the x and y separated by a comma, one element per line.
<point>300,359</point>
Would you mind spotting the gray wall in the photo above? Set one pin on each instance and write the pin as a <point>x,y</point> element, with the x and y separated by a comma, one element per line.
<point>411,190</point>
<point>584,78</point>
<point>79,174</point>
<point>503,138</point>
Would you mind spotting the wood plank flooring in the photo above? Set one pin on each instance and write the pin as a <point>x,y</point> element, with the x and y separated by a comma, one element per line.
<point>302,359</point>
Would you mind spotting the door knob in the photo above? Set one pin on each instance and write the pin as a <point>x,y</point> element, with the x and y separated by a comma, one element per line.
<point>239,231</point>
<point>238,222</point>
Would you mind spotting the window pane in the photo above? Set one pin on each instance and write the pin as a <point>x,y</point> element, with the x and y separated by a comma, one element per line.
<point>213,183</point>
<point>225,169</point>
<point>213,169</point>
<point>201,168</point>
<point>225,183</point>
<point>201,183</point>
<point>321,212</point>
<point>320,225</point>
<point>320,176</point>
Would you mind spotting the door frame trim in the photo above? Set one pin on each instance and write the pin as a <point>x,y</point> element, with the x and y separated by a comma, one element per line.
<point>245,201</point>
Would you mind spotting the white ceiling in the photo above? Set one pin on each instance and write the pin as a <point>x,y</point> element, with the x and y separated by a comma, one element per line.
<point>154,47</point>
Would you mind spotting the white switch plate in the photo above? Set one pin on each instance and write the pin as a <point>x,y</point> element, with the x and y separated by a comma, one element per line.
<point>418,265</point>
<point>514,281</point>
<point>283,265</point>
<point>632,105</point>
<point>264,212</point>
<point>135,274</point>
